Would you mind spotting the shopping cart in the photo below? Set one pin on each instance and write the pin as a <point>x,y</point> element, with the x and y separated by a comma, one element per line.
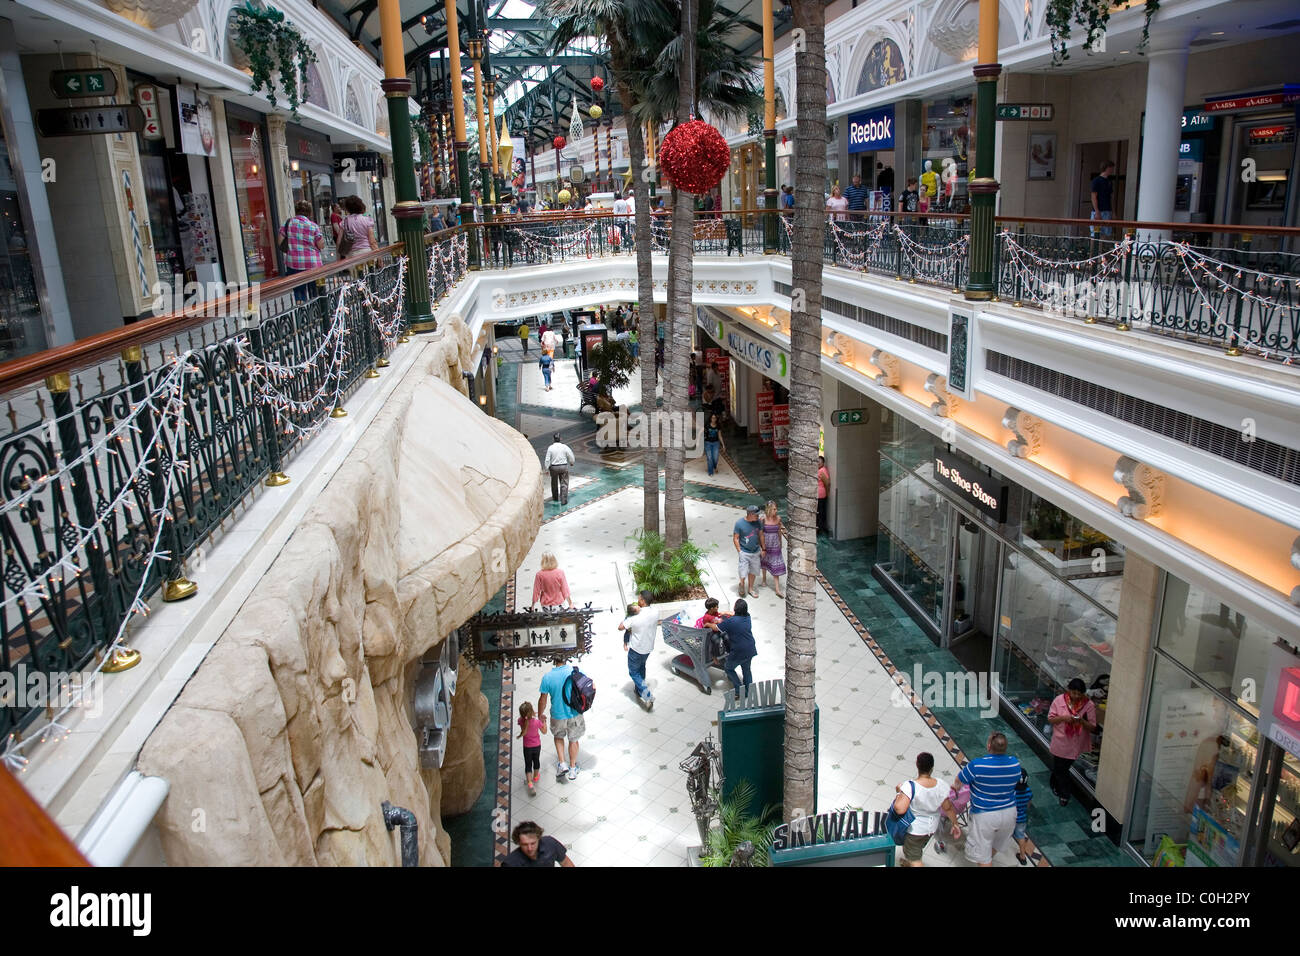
<point>961,803</point>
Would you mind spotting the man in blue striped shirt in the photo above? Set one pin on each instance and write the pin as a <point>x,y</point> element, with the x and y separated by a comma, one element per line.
<point>992,780</point>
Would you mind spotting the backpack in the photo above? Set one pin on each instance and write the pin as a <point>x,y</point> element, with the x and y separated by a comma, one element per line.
<point>579,691</point>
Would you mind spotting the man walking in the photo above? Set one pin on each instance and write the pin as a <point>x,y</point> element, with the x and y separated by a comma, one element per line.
<point>857,195</point>
<point>559,459</point>
<point>992,780</point>
<point>1102,191</point>
<point>536,849</point>
<point>745,537</point>
<point>639,642</point>
<point>566,723</point>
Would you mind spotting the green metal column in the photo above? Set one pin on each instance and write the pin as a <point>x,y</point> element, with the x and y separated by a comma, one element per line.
<point>984,188</point>
<point>460,141</point>
<point>408,211</point>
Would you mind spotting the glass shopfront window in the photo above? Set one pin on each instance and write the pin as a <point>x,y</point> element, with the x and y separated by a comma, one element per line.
<point>946,143</point>
<point>22,329</point>
<point>1203,763</point>
<point>258,222</point>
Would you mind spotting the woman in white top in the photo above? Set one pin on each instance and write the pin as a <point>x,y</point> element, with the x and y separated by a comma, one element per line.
<point>928,799</point>
<point>837,203</point>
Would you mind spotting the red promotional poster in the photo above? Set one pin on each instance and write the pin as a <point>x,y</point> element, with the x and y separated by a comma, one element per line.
<point>764,417</point>
<point>781,431</point>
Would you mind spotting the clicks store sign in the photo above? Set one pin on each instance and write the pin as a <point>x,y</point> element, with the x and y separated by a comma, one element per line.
<point>756,353</point>
<point>871,130</point>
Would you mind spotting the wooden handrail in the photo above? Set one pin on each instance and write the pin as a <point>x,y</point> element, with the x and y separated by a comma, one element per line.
<point>31,838</point>
<point>22,371</point>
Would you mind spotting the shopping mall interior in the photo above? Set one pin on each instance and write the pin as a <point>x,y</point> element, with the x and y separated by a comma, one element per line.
<point>486,433</point>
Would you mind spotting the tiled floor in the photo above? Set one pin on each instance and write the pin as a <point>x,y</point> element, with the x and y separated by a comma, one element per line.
<point>629,804</point>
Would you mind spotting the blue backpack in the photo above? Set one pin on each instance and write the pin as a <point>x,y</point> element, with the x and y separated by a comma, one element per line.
<point>579,691</point>
<point>899,825</point>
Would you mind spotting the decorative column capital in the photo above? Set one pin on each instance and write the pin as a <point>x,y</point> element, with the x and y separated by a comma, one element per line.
<point>1145,486</point>
<point>1028,431</point>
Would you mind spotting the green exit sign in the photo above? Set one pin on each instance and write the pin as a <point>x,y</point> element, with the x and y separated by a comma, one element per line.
<point>1026,111</point>
<point>850,416</point>
<point>72,84</point>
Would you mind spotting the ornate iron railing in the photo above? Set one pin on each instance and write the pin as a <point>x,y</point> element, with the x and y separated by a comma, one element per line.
<point>116,469</point>
<point>1215,285</point>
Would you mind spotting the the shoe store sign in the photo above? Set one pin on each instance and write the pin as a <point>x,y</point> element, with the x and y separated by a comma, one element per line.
<point>546,636</point>
<point>968,483</point>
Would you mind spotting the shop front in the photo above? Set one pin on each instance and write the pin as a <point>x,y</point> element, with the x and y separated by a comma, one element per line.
<point>365,171</point>
<point>175,147</point>
<point>871,154</point>
<point>758,384</point>
<point>948,148</point>
<point>311,176</point>
<point>1216,784</point>
<point>1009,582</point>
<point>259,219</point>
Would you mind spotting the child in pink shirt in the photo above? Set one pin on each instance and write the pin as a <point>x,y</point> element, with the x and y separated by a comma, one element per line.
<point>530,729</point>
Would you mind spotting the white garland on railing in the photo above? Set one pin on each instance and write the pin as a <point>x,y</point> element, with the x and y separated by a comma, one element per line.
<point>1091,271</point>
<point>171,427</point>
<point>1201,263</point>
<point>565,245</point>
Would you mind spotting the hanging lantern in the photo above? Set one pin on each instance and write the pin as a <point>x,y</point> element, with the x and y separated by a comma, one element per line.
<point>694,156</point>
<point>563,196</point>
<point>559,142</point>
<point>595,112</point>
<point>597,84</point>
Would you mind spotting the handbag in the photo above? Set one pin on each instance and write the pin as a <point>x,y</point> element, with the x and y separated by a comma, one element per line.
<point>284,240</point>
<point>900,824</point>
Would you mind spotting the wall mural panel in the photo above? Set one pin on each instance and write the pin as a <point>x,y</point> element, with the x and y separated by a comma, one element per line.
<point>883,67</point>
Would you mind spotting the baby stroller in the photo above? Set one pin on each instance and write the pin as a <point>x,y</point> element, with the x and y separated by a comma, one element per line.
<point>961,803</point>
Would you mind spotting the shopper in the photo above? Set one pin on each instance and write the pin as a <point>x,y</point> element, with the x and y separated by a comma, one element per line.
<point>856,195</point>
<point>550,586</point>
<point>301,241</point>
<point>336,224</point>
<point>927,797</point>
<point>357,231</point>
<point>738,633</point>
<point>546,363</point>
<point>837,204</point>
<point>992,780</point>
<point>1024,795</point>
<point>559,459</point>
<point>530,730</point>
<point>823,495</point>
<point>535,848</point>
<point>745,536</point>
<point>523,335</point>
<point>712,443</point>
<point>773,535</point>
<point>1101,193</point>
<point>639,641</point>
<point>1073,717</point>
<point>567,724</point>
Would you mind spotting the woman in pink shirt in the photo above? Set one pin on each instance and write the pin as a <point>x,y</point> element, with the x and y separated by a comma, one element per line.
<point>823,494</point>
<point>1073,717</point>
<point>551,587</point>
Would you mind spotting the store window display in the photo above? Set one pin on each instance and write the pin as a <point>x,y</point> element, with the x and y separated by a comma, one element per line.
<point>1203,762</point>
<point>947,152</point>
<point>257,215</point>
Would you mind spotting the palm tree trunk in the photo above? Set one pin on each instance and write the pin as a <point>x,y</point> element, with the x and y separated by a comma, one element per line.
<point>805,409</point>
<point>645,304</point>
<point>681,272</point>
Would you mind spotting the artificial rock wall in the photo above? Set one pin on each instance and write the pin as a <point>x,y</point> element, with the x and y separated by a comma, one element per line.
<point>298,724</point>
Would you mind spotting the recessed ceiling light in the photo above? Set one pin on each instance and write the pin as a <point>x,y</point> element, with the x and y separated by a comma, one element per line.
<point>1217,33</point>
<point>1122,52</point>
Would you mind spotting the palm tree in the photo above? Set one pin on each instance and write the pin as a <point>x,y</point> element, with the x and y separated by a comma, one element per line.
<point>695,70</point>
<point>622,23</point>
<point>805,408</point>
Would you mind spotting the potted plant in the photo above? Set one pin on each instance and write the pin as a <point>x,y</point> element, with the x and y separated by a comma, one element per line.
<point>736,828</point>
<point>667,575</point>
<point>272,45</point>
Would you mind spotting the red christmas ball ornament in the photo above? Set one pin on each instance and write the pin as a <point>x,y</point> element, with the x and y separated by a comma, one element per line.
<point>694,156</point>
<point>597,84</point>
<point>559,142</point>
